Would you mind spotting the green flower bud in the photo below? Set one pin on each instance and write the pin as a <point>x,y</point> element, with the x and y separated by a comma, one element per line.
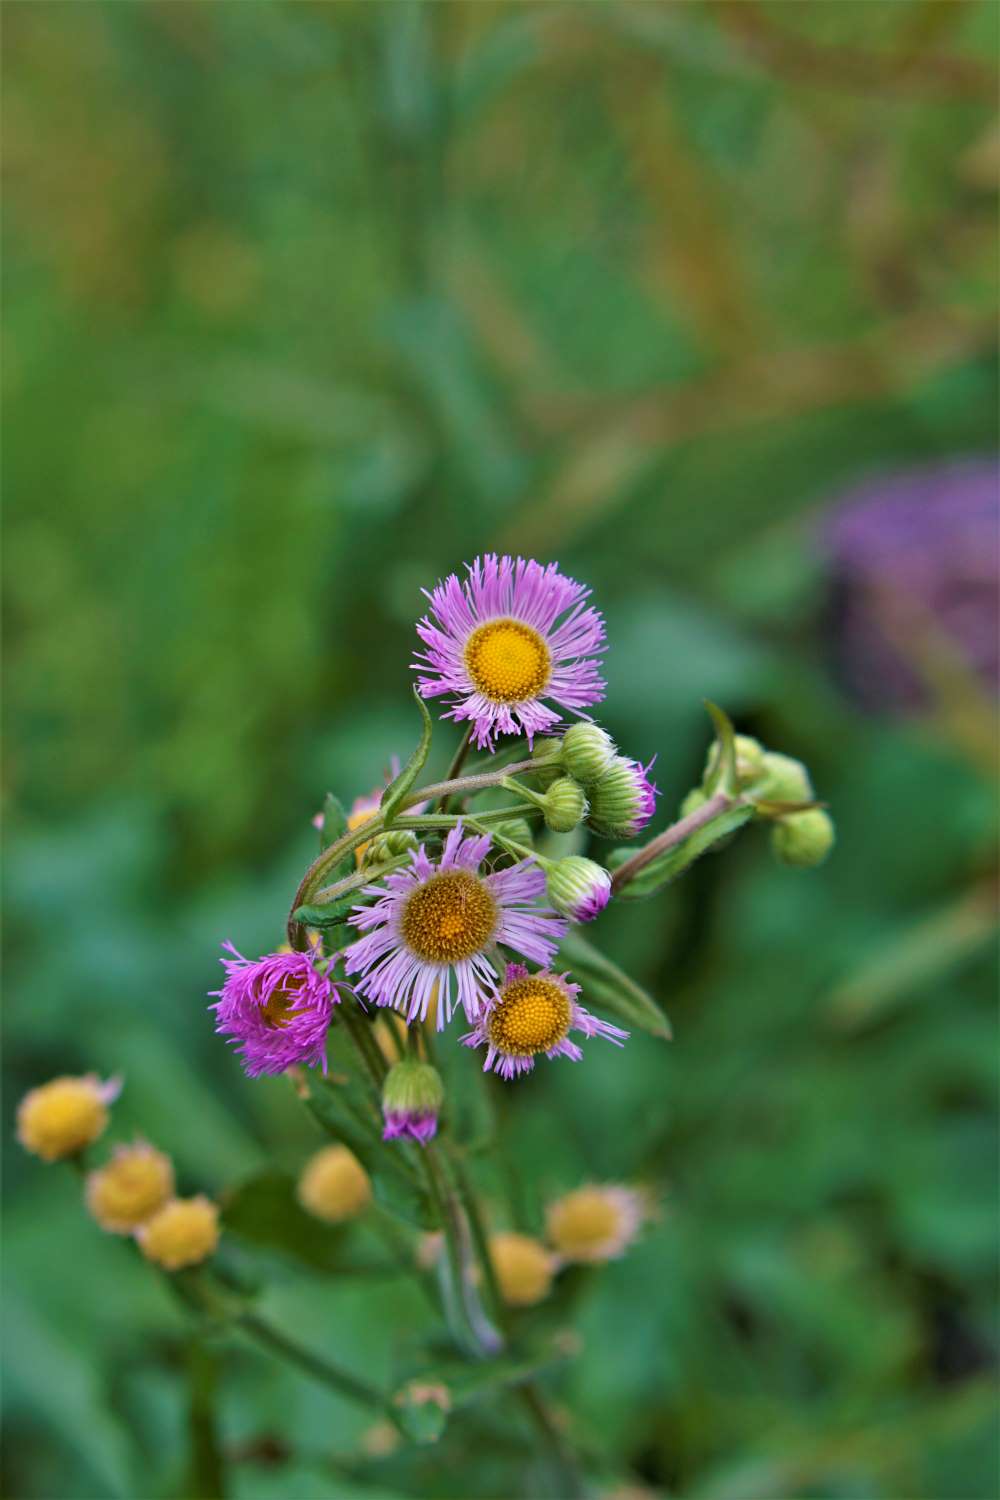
<point>578,887</point>
<point>518,830</point>
<point>784,780</point>
<point>804,838</point>
<point>623,801</point>
<point>389,845</point>
<point>412,1096</point>
<point>564,805</point>
<point>587,752</point>
<point>750,757</point>
<point>550,750</point>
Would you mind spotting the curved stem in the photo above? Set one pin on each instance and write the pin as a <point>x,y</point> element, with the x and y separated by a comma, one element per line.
<point>457,762</point>
<point>320,1368</point>
<point>675,834</point>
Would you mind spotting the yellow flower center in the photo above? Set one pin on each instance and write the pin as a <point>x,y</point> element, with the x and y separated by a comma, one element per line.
<point>531,1016</point>
<point>584,1222</point>
<point>508,661</point>
<point>280,1007</point>
<point>523,1267</point>
<point>448,918</point>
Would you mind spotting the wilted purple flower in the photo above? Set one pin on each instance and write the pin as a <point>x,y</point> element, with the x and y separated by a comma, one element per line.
<point>277,1010</point>
<point>493,642</point>
<point>534,1013</point>
<point>915,560</point>
<point>433,921</point>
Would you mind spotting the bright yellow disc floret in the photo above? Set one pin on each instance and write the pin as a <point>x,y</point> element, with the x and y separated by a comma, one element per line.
<point>334,1185</point>
<point>182,1233</point>
<point>449,917</point>
<point>531,1016</point>
<point>135,1183</point>
<point>523,1267</point>
<point>508,661</point>
<point>60,1118</point>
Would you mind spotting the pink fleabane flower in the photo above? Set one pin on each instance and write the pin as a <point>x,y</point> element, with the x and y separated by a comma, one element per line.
<point>494,643</point>
<point>433,923</point>
<point>276,1009</point>
<point>532,1014</point>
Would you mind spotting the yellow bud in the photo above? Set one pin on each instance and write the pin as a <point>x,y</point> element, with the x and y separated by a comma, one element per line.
<point>134,1184</point>
<point>334,1185</point>
<point>61,1117</point>
<point>595,1223</point>
<point>524,1268</point>
<point>181,1233</point>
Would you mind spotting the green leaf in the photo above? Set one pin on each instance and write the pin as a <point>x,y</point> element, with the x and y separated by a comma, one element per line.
<point>265,1211</point>
<point>345,1110</point>
<point>327,915</point>
<point>397,790</point>
<point>723,777</point>
<point>616,991</point>
<point>334,827</point>
<point>674,861</point>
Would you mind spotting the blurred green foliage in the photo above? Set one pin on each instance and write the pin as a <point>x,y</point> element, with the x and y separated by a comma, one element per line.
<point>307,303</point>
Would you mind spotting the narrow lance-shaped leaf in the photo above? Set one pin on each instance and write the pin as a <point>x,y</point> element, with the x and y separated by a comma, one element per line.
<point>330,914</point>
<point>723,778</point>
<point>397,789</point>
<point>612,987</point>
<point>334,827</point>
<point>674,861</point>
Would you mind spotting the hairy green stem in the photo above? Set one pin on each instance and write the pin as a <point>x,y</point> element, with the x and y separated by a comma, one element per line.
<point>457,762</point>
<point>675,834</point>
<point>318,1366</point>
<point>571,1485</point>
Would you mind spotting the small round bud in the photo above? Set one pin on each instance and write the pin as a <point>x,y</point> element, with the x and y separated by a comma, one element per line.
<point>134,1184</point>
<point>587,752</point>
<point>333,1185</point>
<point>624,800</point>
<point>578,887</point>
<point>565,805</point>
<point>804,838</point>
<point>548,751</point>
<point>524,1268</point>
<point>412,1096</point>
<point>62,1117</point>
<point>695,798</point>
<point>182,1233</point>
<point>749,760</point>
<point>784,780</point>
<point>518,830</point>
<point>389,845</point>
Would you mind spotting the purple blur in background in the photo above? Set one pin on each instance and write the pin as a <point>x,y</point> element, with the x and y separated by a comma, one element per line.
<point>915,551</point>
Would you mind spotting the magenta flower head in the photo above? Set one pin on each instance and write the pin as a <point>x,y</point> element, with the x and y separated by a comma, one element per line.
<point>534,1013</point>
<point>513,634</point>
<point>412,1096</point>
<point>435,923</point>
<point>624,800</point>
<point>277,1010</point>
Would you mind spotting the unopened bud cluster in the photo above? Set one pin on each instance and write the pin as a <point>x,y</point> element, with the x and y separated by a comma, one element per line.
<point>584,778</point>
<point>801,836</point>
